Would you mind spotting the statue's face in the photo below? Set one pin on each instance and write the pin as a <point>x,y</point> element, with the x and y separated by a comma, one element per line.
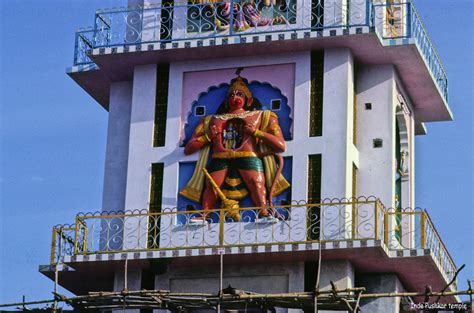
<point>236,100</point>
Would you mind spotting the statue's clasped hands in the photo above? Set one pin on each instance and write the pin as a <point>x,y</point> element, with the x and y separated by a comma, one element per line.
<point>214,132</point>
<point>251,129</point>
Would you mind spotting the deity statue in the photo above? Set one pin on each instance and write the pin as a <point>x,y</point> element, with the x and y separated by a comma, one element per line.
<point>244,144</point>
<point>402,166</point>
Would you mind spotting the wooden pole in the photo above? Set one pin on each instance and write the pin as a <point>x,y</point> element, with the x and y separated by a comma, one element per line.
<point>221,277</point>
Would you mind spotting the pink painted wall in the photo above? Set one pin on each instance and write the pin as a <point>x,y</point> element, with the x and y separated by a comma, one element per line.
<point>281,76</point>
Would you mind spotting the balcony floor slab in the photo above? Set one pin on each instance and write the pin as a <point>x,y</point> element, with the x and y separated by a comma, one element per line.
<point>415,268</point>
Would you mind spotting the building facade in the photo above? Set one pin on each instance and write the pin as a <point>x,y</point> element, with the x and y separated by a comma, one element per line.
<point>350,82</point>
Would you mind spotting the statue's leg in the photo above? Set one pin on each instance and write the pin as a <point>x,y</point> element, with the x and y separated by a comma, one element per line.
<point>209,196</point>
<point>255,183</point>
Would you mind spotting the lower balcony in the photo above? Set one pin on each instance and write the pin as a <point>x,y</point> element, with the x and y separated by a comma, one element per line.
<point>374,238</point>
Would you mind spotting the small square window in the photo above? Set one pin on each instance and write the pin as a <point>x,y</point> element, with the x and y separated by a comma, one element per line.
<point>199,110</point>
<point>276,104</point>
<point>368,106</point>
<point>378,143</point>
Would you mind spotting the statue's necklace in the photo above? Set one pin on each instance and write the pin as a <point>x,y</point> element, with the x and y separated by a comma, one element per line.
<point>229,116</point>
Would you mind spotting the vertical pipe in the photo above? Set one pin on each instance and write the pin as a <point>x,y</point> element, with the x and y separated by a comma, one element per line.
<point>125,275</point>
<point>221,277</point>
<point>56,272</point>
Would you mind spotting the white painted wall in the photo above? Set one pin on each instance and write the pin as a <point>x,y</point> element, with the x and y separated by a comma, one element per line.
<point>376,85</point>
<point>338,151</point>
<point>141,137</point>
<point>116,156</point>
<point>263,278</point>
<point>337,124</point>
<point>140,151</point>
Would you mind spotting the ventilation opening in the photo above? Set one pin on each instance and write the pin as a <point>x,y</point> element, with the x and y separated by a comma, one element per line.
<point>276,104</point>
<point>378,143</point>
<point>200,110</point>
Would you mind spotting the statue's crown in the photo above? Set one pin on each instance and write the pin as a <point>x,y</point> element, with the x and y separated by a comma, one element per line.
<point>239,83</point>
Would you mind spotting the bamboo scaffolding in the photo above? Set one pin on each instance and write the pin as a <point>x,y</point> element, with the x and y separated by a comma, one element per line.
<point>164,299</point>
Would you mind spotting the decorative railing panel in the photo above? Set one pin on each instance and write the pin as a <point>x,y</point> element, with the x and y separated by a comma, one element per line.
<point>402,21</point>
<point>433,242</point>
<point>174,229</point>
<point>62,243</point>
<point>413,229</point>
<point>299,222</point>
<point>196,20</point>
<point>84,42</point>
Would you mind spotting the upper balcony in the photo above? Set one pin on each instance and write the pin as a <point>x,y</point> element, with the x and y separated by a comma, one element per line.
<point>376,33</point>
<point>373,238</point>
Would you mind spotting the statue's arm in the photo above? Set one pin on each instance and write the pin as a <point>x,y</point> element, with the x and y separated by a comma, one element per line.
<point>198,140</point>
<point>273,136</point>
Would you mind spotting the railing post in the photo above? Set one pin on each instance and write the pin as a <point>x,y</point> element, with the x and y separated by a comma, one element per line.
<point>423,230</point>
<point>221,226</point>
<point>76,48</point>
<point>439,253</point>
<point>354,219</point>
<point>76,234</point>
<point>321,224</point>
<point>368,12</point>
<point>376,220</point>
<point>409,20</point>
<point>385,225</point>
<point>86,234</point>
<point>231,17</point>
<point>53,246</point>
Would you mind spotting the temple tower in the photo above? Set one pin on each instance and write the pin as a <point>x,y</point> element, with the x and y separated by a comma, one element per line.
<point>346,85</point>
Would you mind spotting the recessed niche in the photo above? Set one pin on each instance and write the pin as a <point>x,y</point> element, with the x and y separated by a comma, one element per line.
<point>368,106</point>
<point>200,110</point>
<point>378,143</point>
<point>276,104</point>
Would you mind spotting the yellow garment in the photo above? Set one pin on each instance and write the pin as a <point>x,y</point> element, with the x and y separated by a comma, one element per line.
<point>195,186</point>
<point>269,162</point>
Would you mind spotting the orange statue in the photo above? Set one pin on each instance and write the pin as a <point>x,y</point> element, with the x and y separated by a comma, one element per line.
<point>244,142</point>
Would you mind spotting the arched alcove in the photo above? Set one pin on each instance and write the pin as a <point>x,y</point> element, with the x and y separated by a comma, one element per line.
<point>207,103</point>
<point>270,97</point>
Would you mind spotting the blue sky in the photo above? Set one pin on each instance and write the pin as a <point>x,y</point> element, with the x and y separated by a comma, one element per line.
<point>52,136</point>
